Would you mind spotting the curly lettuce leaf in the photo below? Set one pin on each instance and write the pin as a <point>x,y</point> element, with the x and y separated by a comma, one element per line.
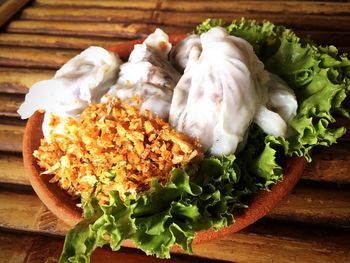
<point>258,160</point>
<point>320,84</point>
<point>103,224</point>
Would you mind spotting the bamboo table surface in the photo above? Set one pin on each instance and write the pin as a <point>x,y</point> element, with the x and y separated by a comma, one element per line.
<point>312,224</point>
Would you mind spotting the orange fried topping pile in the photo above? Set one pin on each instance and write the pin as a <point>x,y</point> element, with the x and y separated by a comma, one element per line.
<point>112,146</point>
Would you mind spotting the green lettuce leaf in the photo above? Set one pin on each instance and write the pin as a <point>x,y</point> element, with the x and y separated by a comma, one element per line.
<point>162,216</point>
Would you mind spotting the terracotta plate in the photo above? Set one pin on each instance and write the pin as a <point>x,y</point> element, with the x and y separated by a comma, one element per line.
<point>64,207</point>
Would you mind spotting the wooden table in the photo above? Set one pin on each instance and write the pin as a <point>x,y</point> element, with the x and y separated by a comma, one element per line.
<point>310,225</point>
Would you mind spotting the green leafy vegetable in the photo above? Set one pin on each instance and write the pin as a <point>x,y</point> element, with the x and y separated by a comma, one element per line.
<point>159,218</point>
<point>207,194</point>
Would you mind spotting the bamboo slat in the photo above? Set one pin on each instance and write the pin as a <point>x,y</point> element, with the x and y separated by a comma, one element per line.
<point>302,22</point>
<point>274,247</point>
<point>121,15</point>
<point>31,40</point>
<point>110,30</point>
<point>296,21</point>
<point>18,80</point>
<point>330,165</point>
<point>12,170</point>
<point>32,57</point>
<point>285,7</point>
<point>11,138</point>
<point>267,226</point>
<point>34,249</point>
<point>12,121</point>
<point>23,211</point>
<point>9,8</point>
<point>10,104</point>
<point>91,29</point>
<point>86,14</point>
<point>313,6</point>
<point>122,4</point>
<point>13,247</point>
<point>37,249</point>
<point>321,205</point>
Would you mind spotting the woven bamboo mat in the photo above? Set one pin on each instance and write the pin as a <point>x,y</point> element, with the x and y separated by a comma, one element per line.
<point>310,225</point>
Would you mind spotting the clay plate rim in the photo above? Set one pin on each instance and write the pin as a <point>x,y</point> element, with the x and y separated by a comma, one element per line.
<point>64,207</point>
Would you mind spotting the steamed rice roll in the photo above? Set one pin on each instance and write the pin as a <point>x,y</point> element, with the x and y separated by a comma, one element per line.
<point>223,90</point>
<point>148,75</point>
<point>278,109</point>
<point>82,80</point>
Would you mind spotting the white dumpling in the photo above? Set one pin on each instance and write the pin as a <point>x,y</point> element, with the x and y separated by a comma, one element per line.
<point>179,56</point>
<point>148,62</point>
<point>281,107</point>
<point>217,97</point>
<point>82,80</point>
<point>149,75</point>
<point>224,89</point>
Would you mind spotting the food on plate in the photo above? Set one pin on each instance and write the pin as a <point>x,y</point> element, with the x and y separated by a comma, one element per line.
<point>112,147</point>
<point>82,80</point>
<point>245,96</point>
<point>223,89</point>
<point>149,75</point>
<point>279,108</point>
